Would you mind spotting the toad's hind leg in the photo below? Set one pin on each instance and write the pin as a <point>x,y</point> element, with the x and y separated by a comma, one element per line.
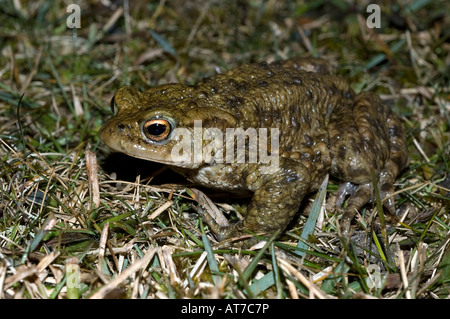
<point>398,159</point>
<point>367,138</point>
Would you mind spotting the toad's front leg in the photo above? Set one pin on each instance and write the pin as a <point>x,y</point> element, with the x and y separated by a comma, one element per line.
<point>273,204</point>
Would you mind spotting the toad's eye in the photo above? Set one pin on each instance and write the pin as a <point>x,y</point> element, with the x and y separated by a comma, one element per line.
<point>113,105</point>
<point>157,129</point>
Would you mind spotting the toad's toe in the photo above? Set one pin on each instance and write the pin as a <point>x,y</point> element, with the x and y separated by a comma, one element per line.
<point>361,195</point>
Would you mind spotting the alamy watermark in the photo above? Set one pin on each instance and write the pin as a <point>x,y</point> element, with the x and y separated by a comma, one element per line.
<point>73,276</point>
<point>211,145</point>
<point>375,279</point>
<point>372,21</point>
<point>74,19</point>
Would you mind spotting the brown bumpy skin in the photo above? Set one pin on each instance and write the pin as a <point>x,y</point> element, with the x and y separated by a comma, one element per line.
<point>323,128</point>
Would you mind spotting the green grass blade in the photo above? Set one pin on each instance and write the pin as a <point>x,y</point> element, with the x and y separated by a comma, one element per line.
<point>313,215</point>
<point>252,266</point>
<point>163,43</point>
<point>211,260</point>
<point>263,283</point>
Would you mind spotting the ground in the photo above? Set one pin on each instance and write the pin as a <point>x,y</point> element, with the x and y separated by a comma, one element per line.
<point>129,229</point>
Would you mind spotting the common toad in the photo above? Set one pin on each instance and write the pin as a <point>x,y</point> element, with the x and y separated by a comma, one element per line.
<point>321,126</point>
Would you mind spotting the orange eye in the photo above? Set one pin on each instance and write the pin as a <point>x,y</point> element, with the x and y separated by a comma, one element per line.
<point>157,129</point>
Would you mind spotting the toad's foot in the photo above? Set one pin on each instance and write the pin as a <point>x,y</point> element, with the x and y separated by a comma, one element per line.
<point>359,195</point>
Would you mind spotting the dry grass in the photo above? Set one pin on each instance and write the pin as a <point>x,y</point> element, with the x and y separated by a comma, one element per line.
<point>128,229</point>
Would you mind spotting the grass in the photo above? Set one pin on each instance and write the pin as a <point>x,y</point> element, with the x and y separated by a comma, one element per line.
<point>129,229</point>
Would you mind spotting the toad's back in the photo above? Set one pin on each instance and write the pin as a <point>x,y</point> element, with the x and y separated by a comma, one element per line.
<point>296,96</point>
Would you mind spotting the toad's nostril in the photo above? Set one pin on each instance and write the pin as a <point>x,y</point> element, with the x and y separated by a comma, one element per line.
<point>121,127</point>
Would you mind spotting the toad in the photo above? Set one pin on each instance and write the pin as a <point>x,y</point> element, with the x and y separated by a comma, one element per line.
<point>295,112</point>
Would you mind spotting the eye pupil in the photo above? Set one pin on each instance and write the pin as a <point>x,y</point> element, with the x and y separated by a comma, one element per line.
<point>156,129</point>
